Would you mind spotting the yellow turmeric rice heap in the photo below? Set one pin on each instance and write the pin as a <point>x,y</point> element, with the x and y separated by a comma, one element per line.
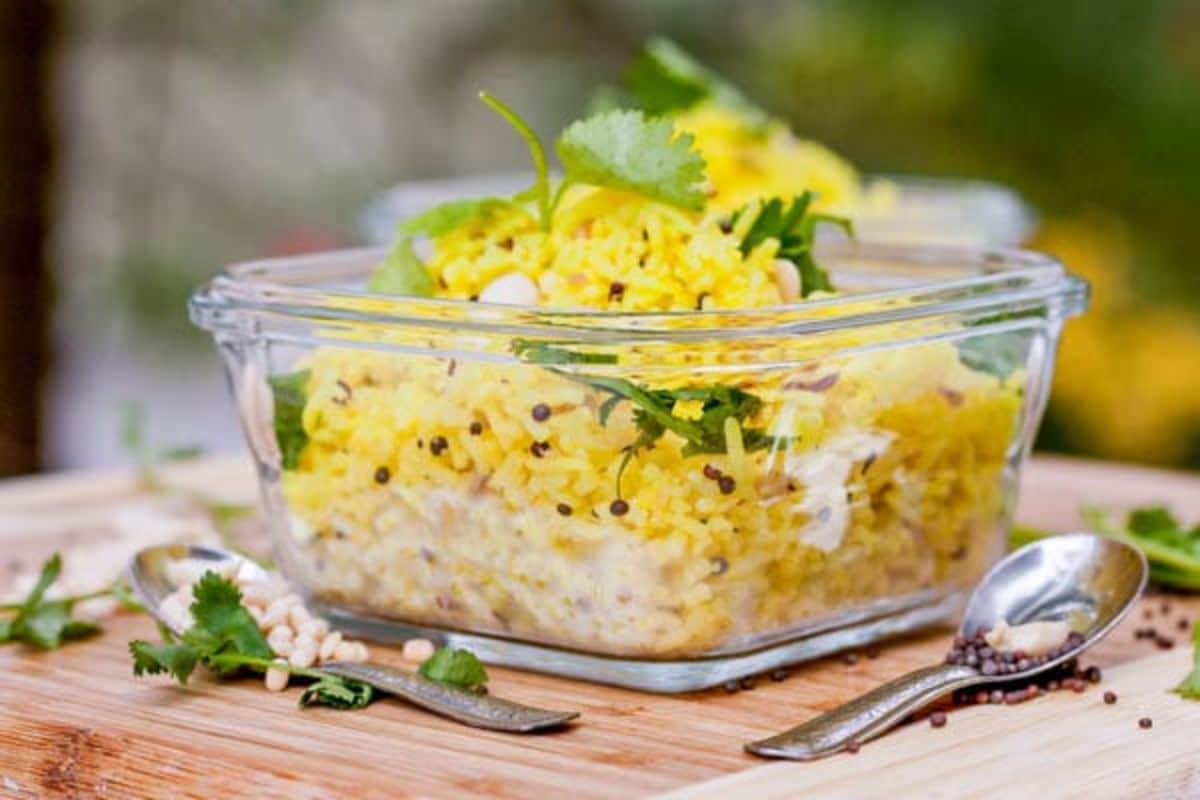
<point>664,501</point>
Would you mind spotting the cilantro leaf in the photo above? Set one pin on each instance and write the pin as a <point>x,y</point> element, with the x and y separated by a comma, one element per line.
<point>1153,521</point>
<point>225,638</point>
<point>290,394</point>
<point>43,623</point>
<point>998,354</point>
<point>177,660</point>
<point>150,458</point>
<point>445,217</point>
<point>541,353</point>
<point>665,78</point>
<point>337,692</point>
<point>653,408</point>
<point>401,273</point>
<point>626,150</point>
<point>1172,551</point>
<point>794,227</point>
<point>1190,687</point>
<point>218,613</point>
<point>454,667</point>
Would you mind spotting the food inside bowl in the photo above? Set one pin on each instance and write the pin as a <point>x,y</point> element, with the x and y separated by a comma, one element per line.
<point>681,438</point>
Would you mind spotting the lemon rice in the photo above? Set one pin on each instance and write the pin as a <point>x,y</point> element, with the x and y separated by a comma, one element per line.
<point>660,499</point>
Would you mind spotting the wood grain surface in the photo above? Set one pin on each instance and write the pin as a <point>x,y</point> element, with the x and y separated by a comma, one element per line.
<point>75,723</point>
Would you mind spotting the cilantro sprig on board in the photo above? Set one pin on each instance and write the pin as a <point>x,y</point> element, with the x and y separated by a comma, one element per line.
<point>653,409</point>
<point>226,640</point>
<point>623,150</point>
<point>48,623</point>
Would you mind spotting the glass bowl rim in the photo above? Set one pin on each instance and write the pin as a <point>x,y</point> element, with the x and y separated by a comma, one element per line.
<point>1011,279</point>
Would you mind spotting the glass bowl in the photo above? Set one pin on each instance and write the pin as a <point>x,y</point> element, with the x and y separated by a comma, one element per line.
<point>657,500</point>
<point>948,211</point>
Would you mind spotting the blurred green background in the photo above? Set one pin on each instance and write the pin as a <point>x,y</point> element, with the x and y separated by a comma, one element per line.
<point>190,134</point>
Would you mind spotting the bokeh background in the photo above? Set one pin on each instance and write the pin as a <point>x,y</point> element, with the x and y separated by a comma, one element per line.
<point>146,143</point>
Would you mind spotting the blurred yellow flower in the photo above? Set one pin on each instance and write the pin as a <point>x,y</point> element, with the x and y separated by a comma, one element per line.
<point>1127,376</point>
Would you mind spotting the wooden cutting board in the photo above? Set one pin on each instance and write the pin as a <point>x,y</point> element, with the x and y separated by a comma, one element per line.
<point>75,723</point>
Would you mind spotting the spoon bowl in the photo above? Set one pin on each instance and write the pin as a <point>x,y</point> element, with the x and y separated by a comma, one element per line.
<point>148,577</point>
<point>1088,581</point>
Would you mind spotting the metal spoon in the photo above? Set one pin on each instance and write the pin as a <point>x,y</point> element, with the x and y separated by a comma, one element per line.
<point>1089,581</point>
<point>148,577</point>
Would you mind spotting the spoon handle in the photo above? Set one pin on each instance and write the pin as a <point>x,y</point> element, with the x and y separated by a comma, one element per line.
<point>478,710</point>
<point>866,716</point>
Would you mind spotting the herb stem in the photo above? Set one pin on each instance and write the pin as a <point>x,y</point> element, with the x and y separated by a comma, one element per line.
<point>71,599</point>
<point>538,153</point>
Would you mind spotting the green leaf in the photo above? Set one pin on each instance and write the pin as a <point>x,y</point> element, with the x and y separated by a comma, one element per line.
<point>45,623</point>
<point>541,353</point>
<point>625,150</point>
<point>1172,551</point>
<point>665,78</point>
<point>337,692</point>
<point>540,191</point>
<point>454,667</point>
<point>290,394</point>
<point>218,612</point>
<point>1190,687</point>
<point>446,217</point>
<point>1152,521</point>
<point>998,354</point>
<point>401,273</point>
<point>794,227</point>
<point>177,660</point>
<point>49,624</point>
<point>1021,535</point>
<point>148,457</point>
<point>653,408</point>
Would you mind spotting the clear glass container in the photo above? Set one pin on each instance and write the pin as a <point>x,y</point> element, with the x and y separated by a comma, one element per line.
<point>918,210</point>
<point>453,469</point>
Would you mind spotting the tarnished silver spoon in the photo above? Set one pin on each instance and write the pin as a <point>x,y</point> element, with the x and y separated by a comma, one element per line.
<point>148,577</point>
<point>1089,581</point>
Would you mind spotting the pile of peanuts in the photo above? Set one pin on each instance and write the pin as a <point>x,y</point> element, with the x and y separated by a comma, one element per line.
<point>294,634</point>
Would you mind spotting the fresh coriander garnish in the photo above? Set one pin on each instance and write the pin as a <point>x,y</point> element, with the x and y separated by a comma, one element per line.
<point>454,667</point>
<point>150,458</point>
<point>626,150</point>
<point>441,219</point>
<point>402,273</point>
<point>998,354</point>
<point>623,150</point>
<point>1190,688</point>
<point>653,408</point>
<point>226,640</point>
<point>340,693</point>
<point>1172,550</point>
<point>290,393</point>
<point>48,624</point>
<point>794,226</point>
<point>665,78</point>
<point>540,353</point>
